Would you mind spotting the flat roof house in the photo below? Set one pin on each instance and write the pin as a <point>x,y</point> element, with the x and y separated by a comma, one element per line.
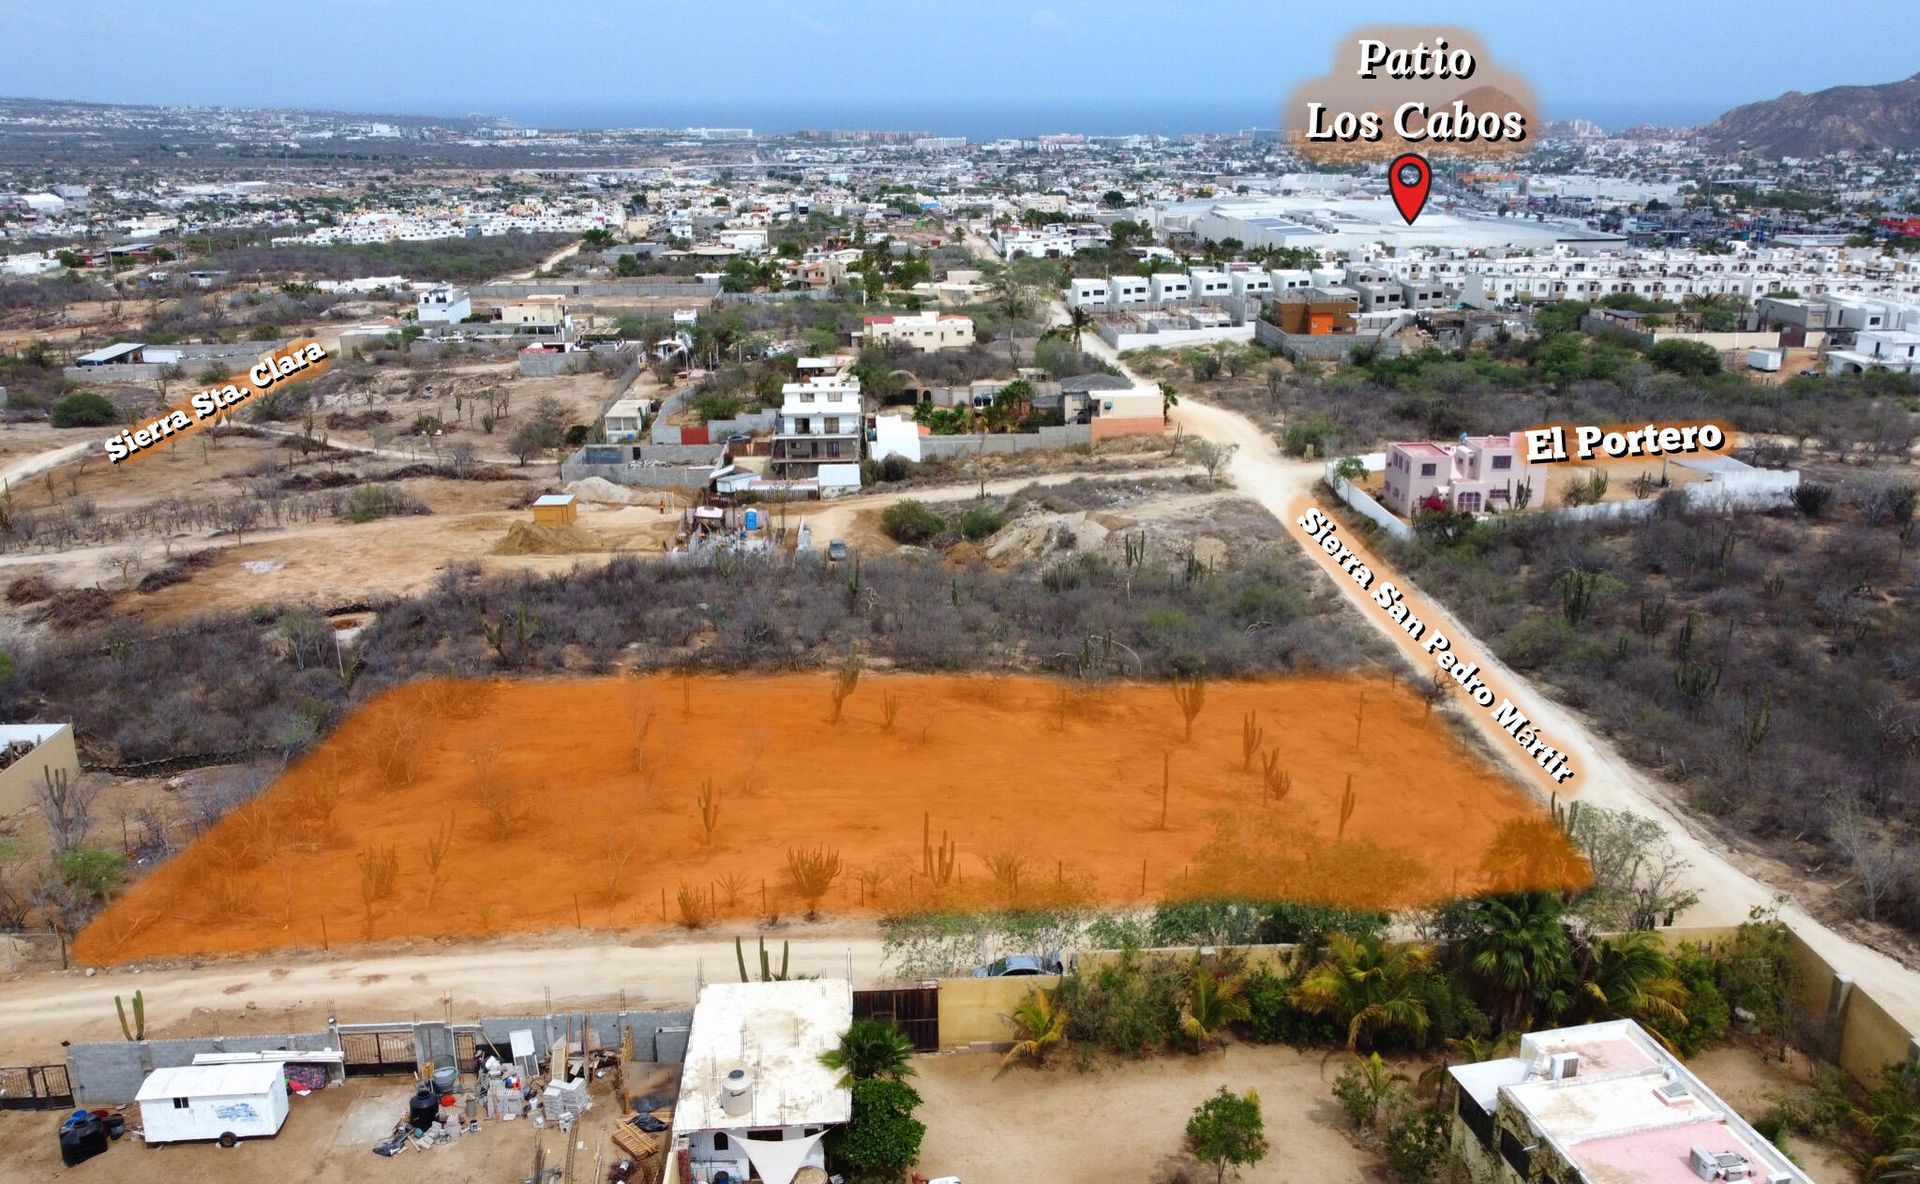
<point>1477,474</point>
<point>1603,1104</point>
<point>443,304</point>
<point>754,1098</point>
<point>924,331</point>
<point>820,424</point>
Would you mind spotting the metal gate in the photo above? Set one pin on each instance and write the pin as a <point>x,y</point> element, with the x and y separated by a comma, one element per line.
<point>913,1010</point>
<point>373,1053</point>
<point>465,1043</point>
<point>35,1087</point>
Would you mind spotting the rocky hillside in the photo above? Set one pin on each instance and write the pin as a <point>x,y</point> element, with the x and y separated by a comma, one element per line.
<point>1840,117</point>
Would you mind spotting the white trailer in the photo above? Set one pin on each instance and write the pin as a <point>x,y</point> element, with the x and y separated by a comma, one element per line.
<point>225,1103</point>
<point>1764,359</point>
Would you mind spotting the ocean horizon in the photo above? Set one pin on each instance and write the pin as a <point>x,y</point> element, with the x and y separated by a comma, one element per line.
<point>980,122</point>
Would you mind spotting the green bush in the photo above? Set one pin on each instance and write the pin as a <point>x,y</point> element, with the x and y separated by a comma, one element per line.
<point>882,1138</point>
<point>369,503</point>
<point>911,522</point>
<point>1272,1017</point>
<point>93,870</point>
<point>84,410</point>
<point>1129,1007</point>
<point>1695,359</point>
<point>981,521</point>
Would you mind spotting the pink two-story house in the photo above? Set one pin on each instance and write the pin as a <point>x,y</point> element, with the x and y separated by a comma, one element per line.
<point>1477,474</point>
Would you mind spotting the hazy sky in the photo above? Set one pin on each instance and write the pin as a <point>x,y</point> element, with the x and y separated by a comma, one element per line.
<point>508,56</point>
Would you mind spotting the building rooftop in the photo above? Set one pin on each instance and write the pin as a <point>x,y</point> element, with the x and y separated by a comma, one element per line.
<point>775,1031</point>
<point>209,1081</point>
<point>1626,1112</point>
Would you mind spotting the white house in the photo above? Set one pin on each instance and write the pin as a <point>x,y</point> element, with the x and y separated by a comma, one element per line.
<point>1170,287</point>
<point>214,1102</point>
<point>1877,349</point>
<point>820,424</point>
<point>925,331</point>
<point>754,1098</point>
<point>624,420</point>
<point>443,304</point>
<point>1129,291</point>
<point>1084,293</point>
<point>1209,285</point>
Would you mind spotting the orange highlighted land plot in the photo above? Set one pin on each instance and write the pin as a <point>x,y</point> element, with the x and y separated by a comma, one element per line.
<point>449,808</point>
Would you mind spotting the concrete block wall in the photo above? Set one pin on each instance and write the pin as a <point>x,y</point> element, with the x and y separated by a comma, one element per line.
<point>109,1074</point>
<point>645,476</point>
<point>1067,436</point>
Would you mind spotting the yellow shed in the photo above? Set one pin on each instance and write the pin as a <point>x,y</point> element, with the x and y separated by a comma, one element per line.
<point>555,509</point>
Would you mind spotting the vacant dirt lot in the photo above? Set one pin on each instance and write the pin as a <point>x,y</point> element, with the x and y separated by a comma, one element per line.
<point>1126,1121</point>
<point>633,801</point>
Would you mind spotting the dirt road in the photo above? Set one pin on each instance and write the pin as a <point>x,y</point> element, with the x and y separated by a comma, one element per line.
<point>39,462</point>
<point>1730,883</point>
<point>38,1011</point>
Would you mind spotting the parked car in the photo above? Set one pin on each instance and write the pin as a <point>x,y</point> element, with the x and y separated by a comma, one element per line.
<point>837,550</point>
<point>1016,965</point>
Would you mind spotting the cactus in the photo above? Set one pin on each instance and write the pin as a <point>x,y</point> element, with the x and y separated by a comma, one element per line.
<point>1191,694</point>
<point>1755,720</point>
<point>937,864</point>
<point>1279,782</point>
<point>766,967</point>
<point>138,1030</point>
<point>1565,817</point>
<point>1348,800</point>
<point>1250,735</point>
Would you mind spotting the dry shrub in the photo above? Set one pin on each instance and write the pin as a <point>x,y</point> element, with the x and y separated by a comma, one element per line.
<point>696,907</point>
<point>29,590</point>
<point>811,873</point>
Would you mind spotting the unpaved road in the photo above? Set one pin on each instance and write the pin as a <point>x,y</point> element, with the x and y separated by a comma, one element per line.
<point>1727,889</point>
<point>39,462</point>
<point>509,977</point>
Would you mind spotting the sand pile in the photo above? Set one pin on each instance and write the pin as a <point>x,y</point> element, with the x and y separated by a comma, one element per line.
<point>599,489</point>
<point>1034,536</point>
<point>527,538</point>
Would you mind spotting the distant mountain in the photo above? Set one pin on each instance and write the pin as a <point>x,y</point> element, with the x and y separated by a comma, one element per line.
<point>1831,120</point>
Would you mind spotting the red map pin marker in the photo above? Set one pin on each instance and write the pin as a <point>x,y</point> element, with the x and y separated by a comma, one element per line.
<point>1409,177</point>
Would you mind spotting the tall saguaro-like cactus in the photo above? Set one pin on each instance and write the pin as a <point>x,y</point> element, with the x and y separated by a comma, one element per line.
<point>138,1030</point>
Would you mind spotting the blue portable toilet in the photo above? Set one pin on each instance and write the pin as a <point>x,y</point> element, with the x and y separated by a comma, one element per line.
<point>753,519</point>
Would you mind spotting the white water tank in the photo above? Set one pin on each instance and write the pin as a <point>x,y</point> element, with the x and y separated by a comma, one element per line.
<point>736,1093</point>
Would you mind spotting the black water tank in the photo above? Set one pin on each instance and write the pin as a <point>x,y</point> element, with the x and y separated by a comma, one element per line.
<point>81,1140</point>
<point>423,1108</point>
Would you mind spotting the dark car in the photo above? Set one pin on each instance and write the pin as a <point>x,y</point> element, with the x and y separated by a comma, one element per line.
<point>837,550</point>
<point>1016,965</point>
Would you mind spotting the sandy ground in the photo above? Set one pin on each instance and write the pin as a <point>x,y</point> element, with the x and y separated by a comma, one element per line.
<point>601,793</point>
<point>328,1138</point>
<point>1126,1120</point>
<point>1751,1082</point>
<point>522,975</point>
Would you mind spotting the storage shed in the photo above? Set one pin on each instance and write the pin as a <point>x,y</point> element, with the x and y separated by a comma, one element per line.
<point>555,509</point>
<point>226,1103</point>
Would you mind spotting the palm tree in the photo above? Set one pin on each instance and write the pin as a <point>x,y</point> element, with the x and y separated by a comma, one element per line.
<point>1632,978</point>
<point>1041,1027</point>
<point>1169,399</point>
<point>1213,1002</point>
<point>1900,1166</point>
<point>1369,985</point>
<point>1079,320</point>
<point>1521,949</point>
<point>870,1048</point>
<point>1466,1050</point>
